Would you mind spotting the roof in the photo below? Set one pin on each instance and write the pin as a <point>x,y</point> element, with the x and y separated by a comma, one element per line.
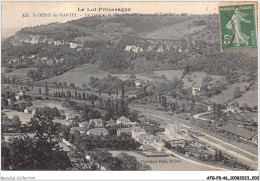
<point>85,123</point>
<point>177,141</point>
<point>123,118</point>
<point>172,126</point>
<point>125,130</point>
<point>96,120</point>
<point>97,131</point>
<point>137,129</point>
<point>239,131</point>
<point>147,147</point>
<point>77,129</point>
<point>152,138</point>
<point>110,122</point>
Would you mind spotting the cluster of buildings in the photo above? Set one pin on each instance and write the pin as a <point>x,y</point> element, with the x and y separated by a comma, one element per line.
<point>34,39</point>
<point>176,132</point>
<point>97,127</point>
<point>242,133</point>
<point>138,49</point>
<point>149,142</point>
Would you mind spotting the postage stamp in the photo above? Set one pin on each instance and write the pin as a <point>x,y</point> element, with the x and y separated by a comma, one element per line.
<point>237,25</point>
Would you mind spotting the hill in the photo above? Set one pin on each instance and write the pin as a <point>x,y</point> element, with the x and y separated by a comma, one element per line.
<point>130,44</point>
<point>174,32</point>
<point>227,95</point>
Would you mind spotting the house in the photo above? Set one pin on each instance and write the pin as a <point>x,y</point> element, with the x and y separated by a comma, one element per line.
<point>138,134</point>
<point>50,41</point>
<point>58,42</point>
<point>141,136</point>
<point>83,124</point>
<point>19,94</point>
<point>154,141</point>
<point>66,142</point>
<point>233,108</point>
<point>97,123</point>
<point>80,129</point>
<point>127,131</point>
<point>175,132</point>
<point>34,40</point>
<point>195,89</point>
<point>63,122</point>
<point>210,108</point>
<point>44,58</point>
<point>160,50</point>
<point>138,83</point>
<point>71,116</point>
<point>147,148</point>
<point>9,137</point>
<point>97,132</point>
<point>241,132</point>
<point>125,121</point>
<point>110,123</point>
<point>30,110</point>
<point>178,143</point>
<point>75,45</point>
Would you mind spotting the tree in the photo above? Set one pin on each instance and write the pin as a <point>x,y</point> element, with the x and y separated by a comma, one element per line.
<point>83,96</point>
<point>129,162</point>
<point>186,70</point>
<point>72,85</point>
<point>79,96</point>
<point>76,95</point>
<point>31,73</point>
<point>68,94</point>
<point>64,84</point>
<point>42,124</point>
<point>16,122</point>
<point>34,154</point>
<point>4,102</point>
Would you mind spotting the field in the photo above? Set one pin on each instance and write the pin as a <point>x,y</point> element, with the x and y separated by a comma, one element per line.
<point>23,116</point>
<point>195,77</point>
<point>21,73</point>
<point>174,32</point>
<point>169,74</point>
<point>81,74</point>
<point>252,115</point>
<point>165,163</point>
<point>250,98</point>
<point>47,103</point>
<point>227,95</point>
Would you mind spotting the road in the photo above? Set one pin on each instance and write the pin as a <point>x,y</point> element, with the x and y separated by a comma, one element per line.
<point>197,116</point>
<point>231,149</point>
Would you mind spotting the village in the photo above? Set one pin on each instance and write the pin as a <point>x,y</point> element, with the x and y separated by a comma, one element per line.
<point>152,138</point>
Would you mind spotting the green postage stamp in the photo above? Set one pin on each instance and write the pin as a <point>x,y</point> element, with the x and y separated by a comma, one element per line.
<point>237,25</point>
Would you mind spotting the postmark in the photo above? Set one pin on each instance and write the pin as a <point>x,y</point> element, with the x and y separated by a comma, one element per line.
<point>237,26</point>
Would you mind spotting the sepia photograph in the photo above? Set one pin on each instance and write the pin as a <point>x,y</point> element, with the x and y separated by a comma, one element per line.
<point>129,86</point>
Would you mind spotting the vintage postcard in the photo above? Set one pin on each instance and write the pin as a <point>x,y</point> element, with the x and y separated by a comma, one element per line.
<point>129,86</point>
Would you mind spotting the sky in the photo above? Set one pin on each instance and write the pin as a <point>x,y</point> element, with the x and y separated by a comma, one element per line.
<point>13,20</point>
